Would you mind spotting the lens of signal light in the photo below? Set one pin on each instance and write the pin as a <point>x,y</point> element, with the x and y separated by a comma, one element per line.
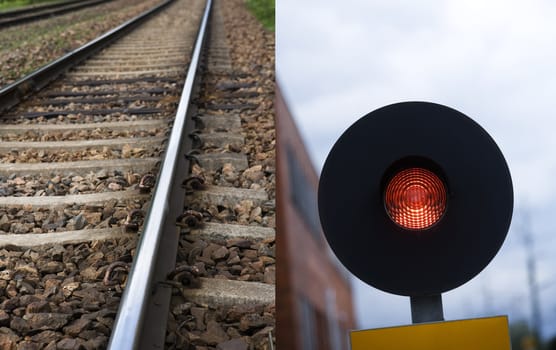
<point>415,198</point>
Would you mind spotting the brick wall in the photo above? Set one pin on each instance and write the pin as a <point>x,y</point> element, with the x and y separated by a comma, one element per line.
<point>313,295</point>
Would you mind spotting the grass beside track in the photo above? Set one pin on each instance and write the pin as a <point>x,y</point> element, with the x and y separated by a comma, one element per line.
<point>7,5</point>
<point>264,11</point>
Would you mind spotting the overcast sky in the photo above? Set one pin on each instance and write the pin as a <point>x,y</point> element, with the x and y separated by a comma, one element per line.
<point>495,61</point>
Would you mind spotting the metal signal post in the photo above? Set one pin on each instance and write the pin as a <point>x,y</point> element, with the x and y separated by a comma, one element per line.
<point>427,309</point>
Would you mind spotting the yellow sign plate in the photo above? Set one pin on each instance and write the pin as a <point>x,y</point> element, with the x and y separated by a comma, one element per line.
<point>490,333</point>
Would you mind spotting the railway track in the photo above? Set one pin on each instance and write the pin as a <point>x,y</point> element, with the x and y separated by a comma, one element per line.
<point>80,162</point>
<point>33,13</point>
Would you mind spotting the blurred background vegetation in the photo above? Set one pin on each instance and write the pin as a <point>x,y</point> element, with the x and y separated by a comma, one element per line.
<point>523,337</point>
<point>6,5</point>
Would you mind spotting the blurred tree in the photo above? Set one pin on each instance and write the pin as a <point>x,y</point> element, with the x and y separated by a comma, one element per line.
<point>523,338</point>
<point>551,344</point>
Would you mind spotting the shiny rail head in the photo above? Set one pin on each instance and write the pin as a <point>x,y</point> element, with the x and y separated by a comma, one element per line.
<point>130,317</point>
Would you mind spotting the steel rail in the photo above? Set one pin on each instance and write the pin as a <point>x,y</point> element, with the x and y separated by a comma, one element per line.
<point>15,17</point>
<point>16,92</point>
<point>129,319</point>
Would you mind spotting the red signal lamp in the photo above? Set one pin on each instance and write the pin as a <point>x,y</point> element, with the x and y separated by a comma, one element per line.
<point>415,198</point>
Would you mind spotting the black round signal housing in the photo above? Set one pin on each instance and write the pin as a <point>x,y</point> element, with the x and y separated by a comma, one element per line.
<point>415,198</point>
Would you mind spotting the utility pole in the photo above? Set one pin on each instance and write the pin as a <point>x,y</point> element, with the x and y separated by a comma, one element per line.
<point>536,319</point>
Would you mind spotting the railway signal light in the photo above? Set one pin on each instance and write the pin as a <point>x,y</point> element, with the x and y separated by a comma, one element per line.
<point>415,199</point>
